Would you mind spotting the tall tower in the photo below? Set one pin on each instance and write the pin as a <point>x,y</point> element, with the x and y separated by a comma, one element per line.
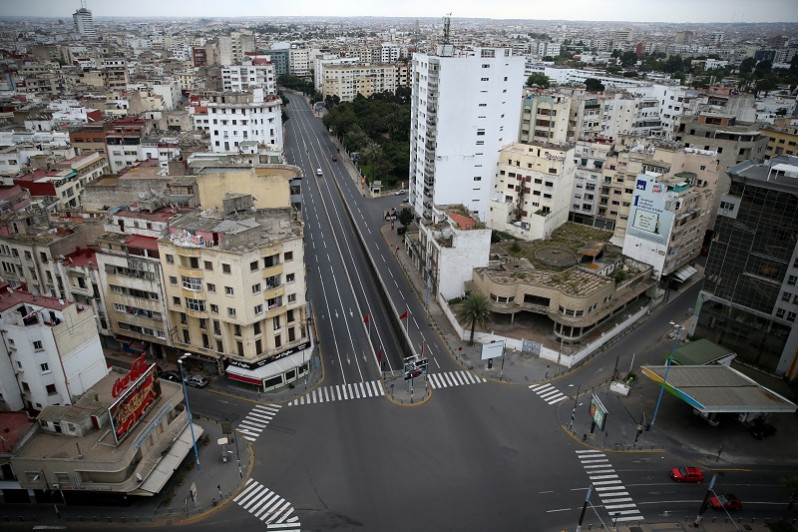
<point>84,23</point>
<point>465,107</point>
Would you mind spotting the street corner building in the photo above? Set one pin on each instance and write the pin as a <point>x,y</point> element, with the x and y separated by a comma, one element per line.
<point>125,436</point>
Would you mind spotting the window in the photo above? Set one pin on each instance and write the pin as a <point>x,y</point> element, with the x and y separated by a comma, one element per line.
<point>786,296</point>
<point>256,328</point>
<point>226,268</point>
<point>228,291</point>
<point>277,341</point>
<point>170,259</point>
<point>791,316</point>
<point>176,301</point>
<point>203,323</point>
<point>211,287</point>
<point>231,312</point>
<point>186,337</point>
<point>256,288</point>
<point>195,304</point>
<point>45,367</point>
<point>792,279</point>
<point>37,345</point>
<point>258,309</point>
<point>214,308</point>
<point>291,298</point>
<point>183,318</point>
<point>191,283</point>
<point>253,266</point>
<point>289,255</point>
<point>276,323</point>
<point>289,316</point>
<point>289,278</point>
<point>208,265</point>
<point>51,389</point>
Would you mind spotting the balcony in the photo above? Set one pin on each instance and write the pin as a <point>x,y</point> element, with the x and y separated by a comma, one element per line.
<point>272,292</point>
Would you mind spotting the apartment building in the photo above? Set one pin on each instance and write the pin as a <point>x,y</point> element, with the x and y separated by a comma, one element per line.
<point>464,109</point>
<point>347,81</point>
<point>84,24</point>
<point>60,188</point>
<point>51,352</point>
<point>589,158</point>
<point>253,74</point>
<point>236,118</point>
<point>532,189</point>
<point>123,138</point>
<point>544,117</point>
<point>324,60</point>
<point>781,141</point>
<point>670,214</point>
<point>235,278</point>
<point>749,300</point>
<point>299,62</point>
<point>89,138</point>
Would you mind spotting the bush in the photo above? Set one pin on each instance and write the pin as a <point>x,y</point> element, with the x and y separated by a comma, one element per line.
<point>401,230</point>
<point>515,248</point>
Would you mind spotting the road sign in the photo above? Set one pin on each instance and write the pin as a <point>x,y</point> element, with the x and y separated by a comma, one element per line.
<point>422,364</point>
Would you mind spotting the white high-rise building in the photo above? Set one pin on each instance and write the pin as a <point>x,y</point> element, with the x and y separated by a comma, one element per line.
<point>84,23</point>
<point>465,107</point>
<point>241,119</point>
<point>249,76</point>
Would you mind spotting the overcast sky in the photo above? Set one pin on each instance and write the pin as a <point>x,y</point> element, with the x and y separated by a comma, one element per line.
<point>621,10</point>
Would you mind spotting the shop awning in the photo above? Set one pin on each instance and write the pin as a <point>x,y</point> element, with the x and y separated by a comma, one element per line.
<point>169,463</point>
<point>684,273</point>
<point>258,375</point>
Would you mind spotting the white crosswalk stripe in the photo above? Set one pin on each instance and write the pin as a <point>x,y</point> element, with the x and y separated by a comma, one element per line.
<point>267,506</point>
<point>341,392</point>
<point>257,420</point>
<point>453,378</point>
<point>608,486</point>
<point>548,392</point>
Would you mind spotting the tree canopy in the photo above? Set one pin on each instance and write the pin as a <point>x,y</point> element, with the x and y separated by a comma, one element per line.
<point>378,127</point>
<point>540,79</point>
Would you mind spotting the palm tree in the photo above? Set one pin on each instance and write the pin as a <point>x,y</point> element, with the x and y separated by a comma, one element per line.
<point>475,311</point>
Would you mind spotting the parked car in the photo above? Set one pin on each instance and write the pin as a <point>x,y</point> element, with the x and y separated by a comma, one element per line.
<point>728,501</point>
<point>334,157</point>
<point>687,474</point>
<point>400,191</point>
<point>762,430</point>
<point>198,381</point>
<point>170,376</point>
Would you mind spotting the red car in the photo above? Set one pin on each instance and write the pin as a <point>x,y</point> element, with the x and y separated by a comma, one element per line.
<point>728,502</point>
<point>687,474</point>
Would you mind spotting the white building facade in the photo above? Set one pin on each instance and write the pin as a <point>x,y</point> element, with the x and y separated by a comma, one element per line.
<point>465,106</point>
<point>235,118</point>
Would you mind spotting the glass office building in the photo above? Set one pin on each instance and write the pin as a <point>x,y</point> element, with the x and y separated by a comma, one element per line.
<point>749,301</point>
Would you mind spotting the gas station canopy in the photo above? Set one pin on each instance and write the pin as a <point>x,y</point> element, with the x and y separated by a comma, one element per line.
<point>718,389</point>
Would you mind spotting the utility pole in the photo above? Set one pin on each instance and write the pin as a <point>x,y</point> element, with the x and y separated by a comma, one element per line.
<point>584,509</point>
<point>705,502</point>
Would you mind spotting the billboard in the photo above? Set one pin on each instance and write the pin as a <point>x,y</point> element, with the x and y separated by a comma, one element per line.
<point>598,413</point>
<point>492,350</point>
<point>648,215</point>
<point>134,402</point>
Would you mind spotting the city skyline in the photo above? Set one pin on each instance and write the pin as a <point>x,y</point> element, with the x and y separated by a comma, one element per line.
<point>665,11</point>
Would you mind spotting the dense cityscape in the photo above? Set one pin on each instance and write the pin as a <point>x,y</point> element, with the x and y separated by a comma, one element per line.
<point>392,273</point>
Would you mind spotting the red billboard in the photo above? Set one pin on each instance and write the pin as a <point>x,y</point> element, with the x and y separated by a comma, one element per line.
<point>134,403</point>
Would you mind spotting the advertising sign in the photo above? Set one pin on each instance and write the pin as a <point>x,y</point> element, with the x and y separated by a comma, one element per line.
<point>650,219</point>
<point>492,350</point>
<point>134,403</point>
<point>598,412</point>
<point>531,347</point>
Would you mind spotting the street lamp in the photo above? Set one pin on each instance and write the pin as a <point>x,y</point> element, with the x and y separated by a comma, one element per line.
<point>188,408</point>
<point>677,332</point>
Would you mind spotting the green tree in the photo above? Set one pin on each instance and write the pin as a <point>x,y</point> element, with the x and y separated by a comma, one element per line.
<point>475,311</point>
<point>372,155</point>
<point>540,79</point>
<point>594,85</point>
<point>673,64</point>
<point>628,59</point>
<point>405,217</point>
<point>747,66</point>
<point>766,84</point>
<point>763,69</point>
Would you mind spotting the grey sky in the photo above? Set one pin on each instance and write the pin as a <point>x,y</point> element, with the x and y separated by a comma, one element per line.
<point>619,10</point>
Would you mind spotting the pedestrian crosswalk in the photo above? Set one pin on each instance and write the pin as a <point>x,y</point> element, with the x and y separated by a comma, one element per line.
<point>257,420</point>
<point>341,392</point>
<point>607,485</point>
<point>453,378</point>
<point>267,506</point>
<point>548,392</point>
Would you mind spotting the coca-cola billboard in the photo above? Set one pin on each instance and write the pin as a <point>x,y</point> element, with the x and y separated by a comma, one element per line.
<point>135,400</point>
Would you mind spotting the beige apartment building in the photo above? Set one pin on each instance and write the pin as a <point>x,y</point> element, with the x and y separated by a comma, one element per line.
<point>234,276</point>
<point>532,189</point>
<point>347,81</point>
<point>544,117</point>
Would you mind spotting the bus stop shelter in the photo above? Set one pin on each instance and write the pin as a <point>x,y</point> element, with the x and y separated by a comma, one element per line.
<point>716,389</point>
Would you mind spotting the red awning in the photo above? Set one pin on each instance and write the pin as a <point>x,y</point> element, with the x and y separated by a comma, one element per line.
<point>142,242</point>
<point>242,378</point>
